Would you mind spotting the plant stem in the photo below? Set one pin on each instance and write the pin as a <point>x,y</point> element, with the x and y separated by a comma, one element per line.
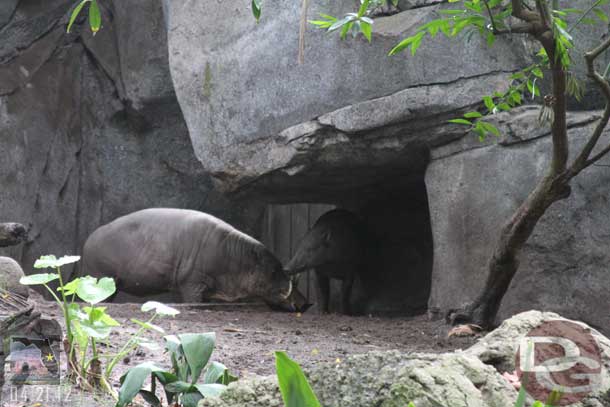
<point>128,347</point>
<point>65,307</point>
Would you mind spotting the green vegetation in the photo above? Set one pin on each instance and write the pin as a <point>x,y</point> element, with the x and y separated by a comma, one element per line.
<point>88,325</point>
<point>192,377</point>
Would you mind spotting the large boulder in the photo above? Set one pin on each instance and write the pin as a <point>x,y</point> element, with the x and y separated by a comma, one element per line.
<point>10,274</point>
<point>252,109</point>
<point>499,348</point>
<point>474,187</point>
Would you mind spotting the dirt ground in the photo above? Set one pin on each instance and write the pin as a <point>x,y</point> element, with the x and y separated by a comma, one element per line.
<point>247,335</point>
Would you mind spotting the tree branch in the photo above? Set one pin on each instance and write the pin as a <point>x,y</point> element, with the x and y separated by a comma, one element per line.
<point>522,14</point>
<point>583,161</point>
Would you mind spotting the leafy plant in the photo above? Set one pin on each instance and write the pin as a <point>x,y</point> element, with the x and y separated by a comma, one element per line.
<point>88,325</point>
<point>192,377</point>
<point>95,17</point>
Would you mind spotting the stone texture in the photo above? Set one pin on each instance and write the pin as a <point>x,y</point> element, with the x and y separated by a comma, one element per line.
<point>469,378</point>
<point>474,187</point>
<point>91,128</point>
<point>387,379</point>
<point>242,91</point>
<point>499,347</point>
<point>10,274</point>
<point>12,234</point>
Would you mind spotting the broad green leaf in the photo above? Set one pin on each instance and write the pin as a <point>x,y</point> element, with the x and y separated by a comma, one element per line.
<point>38,279</point>
<point>98,314</point>
<point>295,389</point>
<point>214,373</point>
<point>150,398</point>
<point>197,349</point>
<point>97,329</point>
<point>159,308</point>
<point>51,261</point>
<point>211,389</point>
<point>473,115</point>
<point>179,387</point>
<point>70,288</point>
<point>93,291</point>
<point>133,380</point>
<point>191,399</point>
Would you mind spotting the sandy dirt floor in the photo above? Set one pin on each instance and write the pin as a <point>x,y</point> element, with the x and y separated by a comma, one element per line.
<point>248,335</point>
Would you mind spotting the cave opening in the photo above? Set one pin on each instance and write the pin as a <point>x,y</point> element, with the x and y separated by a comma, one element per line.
<point>395,212</point>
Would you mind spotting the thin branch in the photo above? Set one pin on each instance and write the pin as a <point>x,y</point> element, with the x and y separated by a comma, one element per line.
<point>491,16</point>
<point>583,161</point>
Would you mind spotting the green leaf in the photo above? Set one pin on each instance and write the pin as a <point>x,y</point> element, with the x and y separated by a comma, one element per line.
<point>159,308</point>
<point>473,115</point>
<point>132,382</point>
<point>367,30</point>
<point>295,389</point>
<point>95,17</point>
<point>197,349</point>
<point>460,121</point>
<point>490,128</point>
<point>51,261</point>
<point>489,103</point>
<point>150,398</point>
<point>98,314</point>
<point>70,288</point>
<point>211,389</point>
<point>191,399</point>
<point>93,291</point>
<point>179,387</point>
<point>38,279</point>
<point>256,10</point>
<point>214,373</point>
<point>75,14</point>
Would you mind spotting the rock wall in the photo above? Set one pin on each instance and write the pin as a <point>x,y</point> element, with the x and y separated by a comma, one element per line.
<point>474,188</point>
<point>90,126</point>
<point>258,119</point>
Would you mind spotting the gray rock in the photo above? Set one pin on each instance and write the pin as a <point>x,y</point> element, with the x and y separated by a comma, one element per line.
<point>240,85</point>
<point>12,234</point>
<point>498,348</point>
<point>388,379</point>
<point>91,130</point>
<point>10,274</point>
<point>473,188</point>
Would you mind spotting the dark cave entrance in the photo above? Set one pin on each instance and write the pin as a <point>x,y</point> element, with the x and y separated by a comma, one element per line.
<point>396,213</point>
